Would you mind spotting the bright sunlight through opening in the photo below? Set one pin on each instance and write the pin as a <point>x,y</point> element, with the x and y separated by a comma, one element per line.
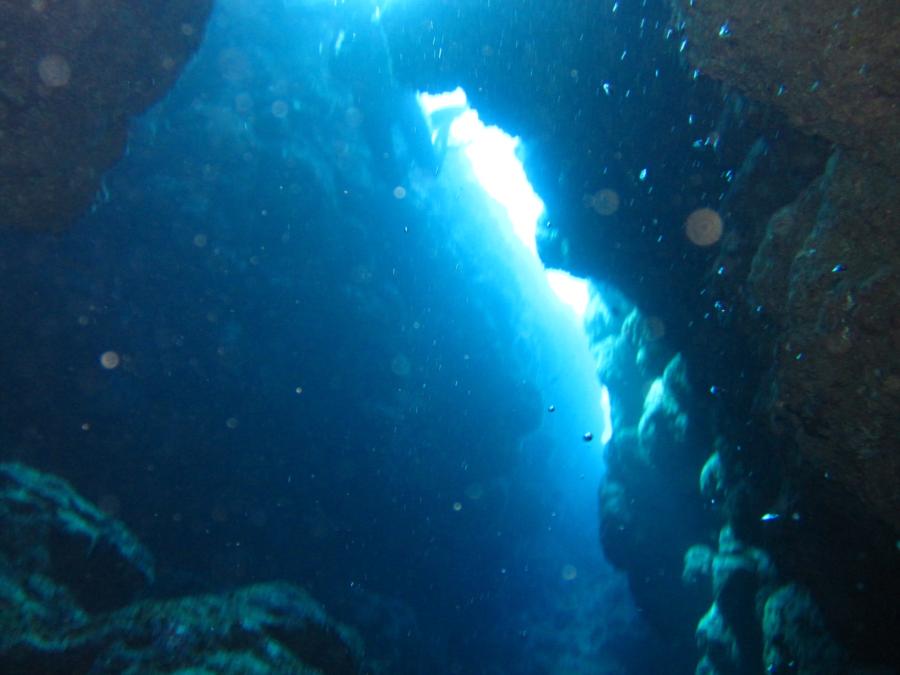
<point>493,156</point>
<point>494,160</point>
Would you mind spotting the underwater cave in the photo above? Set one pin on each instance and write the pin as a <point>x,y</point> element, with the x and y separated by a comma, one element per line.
<point>450,336</point>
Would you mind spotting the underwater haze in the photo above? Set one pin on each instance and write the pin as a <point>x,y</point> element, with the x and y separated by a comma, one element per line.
<point>315,380</point>
<point>347,366</point>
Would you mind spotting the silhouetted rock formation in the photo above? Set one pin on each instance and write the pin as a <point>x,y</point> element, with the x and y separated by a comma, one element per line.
<point>787,324</point>
<point>62,561</point>
<point>830,66</point>
<point>72,76</point>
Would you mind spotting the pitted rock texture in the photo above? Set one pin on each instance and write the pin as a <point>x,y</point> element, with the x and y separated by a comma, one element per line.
<point>72,74</point>
<point>830,65</point>
<point>827,273</point>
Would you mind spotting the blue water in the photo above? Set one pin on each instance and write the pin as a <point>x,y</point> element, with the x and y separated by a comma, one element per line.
<point>318,381</point>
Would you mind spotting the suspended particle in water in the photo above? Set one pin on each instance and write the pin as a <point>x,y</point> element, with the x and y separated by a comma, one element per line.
<point>219,514</point>
<point>243,103</point>
<point>569,572</point>
<point>200,240</point>
<point>231,423</point>
<point>399,192</point>
<point>280,109</point>
<point>605,202</point>
<point>401,366</point>
<point>54,70</point>
<point>475,491</point>
<point>109,360</point>
<point>703,227</point>
<point>588,437</point>
<point>457,506</point>
<point>234,65</point>
<point>551,408</point>
<point>353,117</point>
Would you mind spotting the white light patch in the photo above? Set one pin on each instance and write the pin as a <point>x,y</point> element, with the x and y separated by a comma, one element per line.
<point>449,99</point>
<point>606,409</point>
<point>572,291</point>
<point>494,162</point>
<point>493,158</point>
<point>492,155</point>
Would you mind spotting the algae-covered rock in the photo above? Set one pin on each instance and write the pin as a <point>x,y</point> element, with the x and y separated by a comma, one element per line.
<point>48,529</point>
<point>698,561</point>
<point>721,653</point>
<point>67,572</point>
<point>650,509</point>
<point>712,484</point>
<point>795,637</point>
<point>267,628</point>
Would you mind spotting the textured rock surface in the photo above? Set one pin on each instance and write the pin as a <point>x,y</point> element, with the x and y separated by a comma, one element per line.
<point>62,560</point>
<point>831,67</point>
<point>830,389</point>
<point>795,637</point>
<point>651,510</point>
<point>828,271</point>
<point>51,532</point>
<point>72,75</point>
<point>267,628</point>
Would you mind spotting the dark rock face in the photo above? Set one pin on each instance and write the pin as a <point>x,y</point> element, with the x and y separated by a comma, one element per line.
<point>825,277</point>
<point>787,326</point>
<point>62,559</point>
<point>650,509</point>
<point>72,76</point>
<point>817,292</point>
<point>52,532</point>
<point>830,67</point>
<point>827,271</point>
<point>267,628</point>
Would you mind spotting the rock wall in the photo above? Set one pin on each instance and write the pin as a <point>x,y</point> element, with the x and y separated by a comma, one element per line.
<point>816,293</point>
<point>830,66</point>
<point>775,431</point>
<point>72,76</point>
<point>634,118</point>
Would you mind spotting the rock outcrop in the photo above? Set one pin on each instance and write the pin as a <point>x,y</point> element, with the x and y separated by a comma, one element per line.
<point>67,572</point>
<point>830,67</point>
<point>650,510</point>
<point>72,76</point>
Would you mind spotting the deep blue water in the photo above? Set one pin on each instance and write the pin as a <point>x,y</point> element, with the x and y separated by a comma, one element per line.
<point>319,382</point>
